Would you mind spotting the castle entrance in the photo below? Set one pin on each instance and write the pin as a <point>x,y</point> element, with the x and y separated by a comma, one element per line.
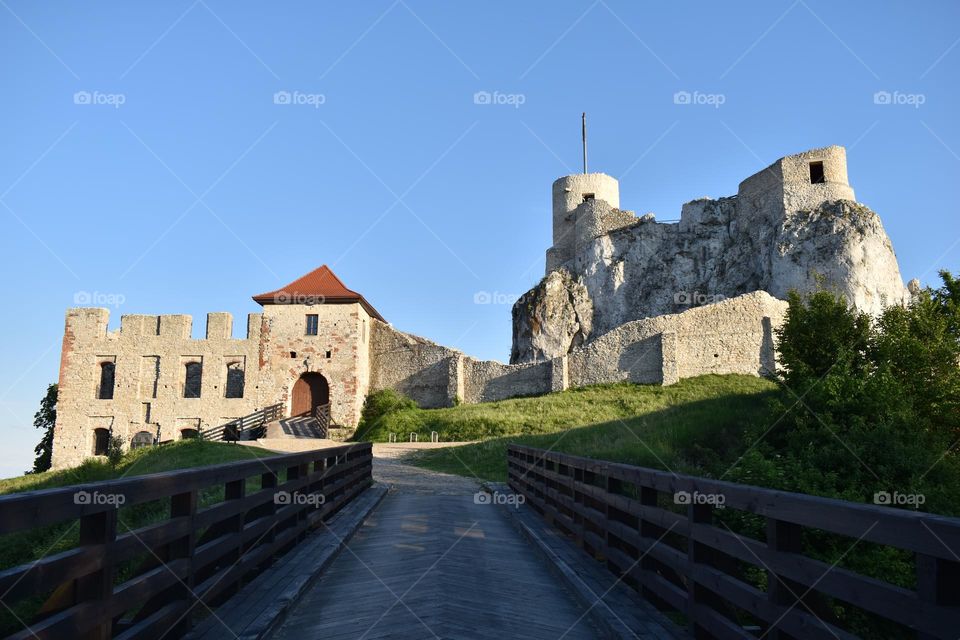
<point>309,392</point>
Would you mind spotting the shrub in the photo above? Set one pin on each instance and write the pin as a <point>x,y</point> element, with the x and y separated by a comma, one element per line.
<point>867,405</point>
<point>378,406</point>
<point>115,450</point>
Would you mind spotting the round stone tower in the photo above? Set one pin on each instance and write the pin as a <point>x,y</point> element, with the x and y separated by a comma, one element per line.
<point>569,192</point>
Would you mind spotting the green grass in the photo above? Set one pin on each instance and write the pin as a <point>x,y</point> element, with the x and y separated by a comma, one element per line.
<point>26,546</point>
<point>177,455</point>
<point>688,426</point>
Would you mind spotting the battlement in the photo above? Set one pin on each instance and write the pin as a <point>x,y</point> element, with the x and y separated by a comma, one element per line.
<point>91,323</point>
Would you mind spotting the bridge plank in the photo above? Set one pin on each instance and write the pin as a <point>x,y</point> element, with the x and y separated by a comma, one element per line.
<point>427,565</point>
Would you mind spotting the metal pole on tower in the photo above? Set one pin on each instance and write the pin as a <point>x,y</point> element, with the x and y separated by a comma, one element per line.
<point>583,119</point>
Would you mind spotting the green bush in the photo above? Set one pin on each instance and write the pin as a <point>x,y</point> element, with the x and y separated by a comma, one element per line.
<point>867,405</point>
<point>378,406</point>
<point>115,450</point>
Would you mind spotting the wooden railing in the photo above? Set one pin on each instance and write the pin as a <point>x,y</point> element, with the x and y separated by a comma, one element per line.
<point>249,427</point>
<point>684,559</point>
<point>322,414</point>
<point>195,555</point>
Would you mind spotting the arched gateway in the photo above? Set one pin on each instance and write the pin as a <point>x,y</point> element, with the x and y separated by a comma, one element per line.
<point>309,392</point>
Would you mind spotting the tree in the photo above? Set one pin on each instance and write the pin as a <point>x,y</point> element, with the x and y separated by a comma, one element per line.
<point>45,419</point>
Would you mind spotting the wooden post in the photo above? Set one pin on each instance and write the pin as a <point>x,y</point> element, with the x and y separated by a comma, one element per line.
<point>235,490</point>
<point>937,581</point>
<point>614,487</point>
<point>578,523</point>
<point>184,505</point>
<point>268,481</point>
<point>649,532</point>
<point>782,536</point>
<point>698,553</point>
<point>98,529</point>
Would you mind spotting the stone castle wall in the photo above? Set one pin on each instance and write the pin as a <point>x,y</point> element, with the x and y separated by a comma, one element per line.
<point>150,354</point>
<point>144,347</point>
<point>729,336</point>
<point>786,229</point>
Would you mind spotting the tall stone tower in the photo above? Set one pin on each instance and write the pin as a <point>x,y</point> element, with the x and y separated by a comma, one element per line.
<point>569,192</point>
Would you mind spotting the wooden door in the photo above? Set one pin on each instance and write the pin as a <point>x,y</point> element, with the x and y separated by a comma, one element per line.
<point>309,392</point>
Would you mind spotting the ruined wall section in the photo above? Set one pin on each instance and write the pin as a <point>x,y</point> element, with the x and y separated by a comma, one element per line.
<point>414,366</point>
<point>731,336</point>
<point>489,380</point>
<point>149,355</point>
<point>794,225</point>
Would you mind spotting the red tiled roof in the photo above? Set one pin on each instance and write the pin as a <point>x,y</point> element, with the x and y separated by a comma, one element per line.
<point>320,286</point>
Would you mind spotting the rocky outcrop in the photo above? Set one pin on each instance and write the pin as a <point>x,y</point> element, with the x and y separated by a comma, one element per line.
<point>557,315</point>
<point>720,249</point>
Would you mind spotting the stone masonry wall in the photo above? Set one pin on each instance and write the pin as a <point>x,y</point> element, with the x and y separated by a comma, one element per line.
<point>338,352</point>
<point>488,380</point>
<point>141,399</point>
<point>728,336</point>
<point>414,366</point>
<point>275,353</point>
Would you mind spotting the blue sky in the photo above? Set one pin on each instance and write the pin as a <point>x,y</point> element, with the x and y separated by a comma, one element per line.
<point>147,164</point>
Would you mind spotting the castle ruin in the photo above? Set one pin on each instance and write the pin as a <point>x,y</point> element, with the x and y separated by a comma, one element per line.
<point>624,298</point>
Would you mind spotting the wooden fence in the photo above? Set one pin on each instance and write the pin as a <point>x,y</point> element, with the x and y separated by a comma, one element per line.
<point>322,415</point>
<point>194,555</point>
<point>686,560</point>
<point>249,427</point>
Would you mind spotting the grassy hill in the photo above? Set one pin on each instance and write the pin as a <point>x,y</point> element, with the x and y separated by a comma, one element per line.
<point>178,455</point>
<point>689,426</point>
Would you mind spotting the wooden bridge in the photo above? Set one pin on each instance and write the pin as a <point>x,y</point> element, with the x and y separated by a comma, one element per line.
<point>306,546</point>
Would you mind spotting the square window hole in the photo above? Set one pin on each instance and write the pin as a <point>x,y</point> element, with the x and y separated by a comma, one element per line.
<point>816,173</point>
<point>293,354</point>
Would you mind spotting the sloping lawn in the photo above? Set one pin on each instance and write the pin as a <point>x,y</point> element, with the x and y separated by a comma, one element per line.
<point>685,426</point>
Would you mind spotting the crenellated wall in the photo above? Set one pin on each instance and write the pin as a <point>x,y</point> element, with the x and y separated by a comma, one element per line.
<point>149,354</point>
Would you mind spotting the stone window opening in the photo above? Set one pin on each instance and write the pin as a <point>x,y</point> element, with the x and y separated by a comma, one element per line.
<point>293,354</point>
<point>589,196</point>
<point>329,354</point>
<point>188,434</point>
<point>816,173</point>
<point>193,376</point>
<point>141,439</point>
<point>101,441</point>
<point>313,324</point>
<point>235,380</point>
<point>107,378</point>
